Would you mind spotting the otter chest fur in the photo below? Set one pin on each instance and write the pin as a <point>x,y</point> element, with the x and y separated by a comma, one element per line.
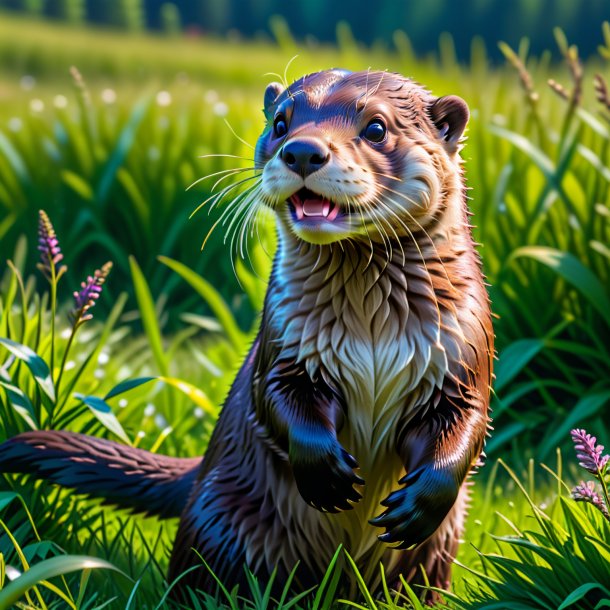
<point>370,327</point>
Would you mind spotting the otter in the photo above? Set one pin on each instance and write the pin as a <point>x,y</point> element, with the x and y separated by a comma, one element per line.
<point>362,405</point>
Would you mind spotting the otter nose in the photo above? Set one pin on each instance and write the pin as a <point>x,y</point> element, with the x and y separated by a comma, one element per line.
<point>305,155</point>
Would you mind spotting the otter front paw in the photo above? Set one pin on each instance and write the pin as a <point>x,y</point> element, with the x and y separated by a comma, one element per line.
<point>323,470</point>
<point>416,510</point>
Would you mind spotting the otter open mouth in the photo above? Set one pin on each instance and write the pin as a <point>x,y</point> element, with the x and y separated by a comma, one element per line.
<point>307,205</point>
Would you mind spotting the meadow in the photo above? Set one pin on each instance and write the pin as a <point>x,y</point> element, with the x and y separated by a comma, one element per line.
<point>108,150</point>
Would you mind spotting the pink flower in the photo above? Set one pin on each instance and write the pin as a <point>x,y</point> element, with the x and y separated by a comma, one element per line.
<point>589,454</point>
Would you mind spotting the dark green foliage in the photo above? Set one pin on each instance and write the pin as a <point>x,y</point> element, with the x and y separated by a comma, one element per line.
<point>70,11</point>
<point>170,18</point>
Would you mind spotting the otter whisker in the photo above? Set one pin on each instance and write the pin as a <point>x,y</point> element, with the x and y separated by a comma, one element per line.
<point>238,137</point>
<point>389,176</point>
<point>241,203</point>
<point>382,232</point>
<point>238,222</point>
<point>416,243</point>
<point>419,251</point>
<point>403,196</point>
<point>229,156</point>
<point>379,201</point>
<point>224,178</point>
<point>424,231</point>
<point>223,216</point>
<point>231,171</point>
<point>220,195</point>
<point>226,190</point>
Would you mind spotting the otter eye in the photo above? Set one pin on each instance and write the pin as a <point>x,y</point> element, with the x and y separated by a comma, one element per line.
<point>375,131</point>
<point>280,129</point>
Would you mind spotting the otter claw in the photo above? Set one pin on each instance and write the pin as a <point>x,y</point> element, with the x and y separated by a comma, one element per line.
<point>415,511</point>
<point>324,474</point>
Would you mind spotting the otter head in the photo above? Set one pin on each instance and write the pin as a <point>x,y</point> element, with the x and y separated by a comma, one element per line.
<point>359,155</point>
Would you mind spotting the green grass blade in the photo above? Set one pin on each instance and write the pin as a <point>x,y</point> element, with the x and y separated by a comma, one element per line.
<point>567,266</point>
<point>149,315</point>
<point>103,412</point>
<point>50,568</point>
<point>212,297</point>
<point>35,363</point>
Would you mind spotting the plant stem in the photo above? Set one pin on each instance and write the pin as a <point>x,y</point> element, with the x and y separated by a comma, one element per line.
<point>602,479</point>
<point>64,359</point>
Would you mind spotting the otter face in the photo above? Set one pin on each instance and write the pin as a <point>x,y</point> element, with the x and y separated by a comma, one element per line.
<point>359,155</point>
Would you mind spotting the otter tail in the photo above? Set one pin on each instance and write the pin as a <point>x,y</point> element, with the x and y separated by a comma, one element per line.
<point>122,475</point>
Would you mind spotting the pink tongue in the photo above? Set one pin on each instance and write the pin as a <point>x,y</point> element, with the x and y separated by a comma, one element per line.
<point>316,207</point>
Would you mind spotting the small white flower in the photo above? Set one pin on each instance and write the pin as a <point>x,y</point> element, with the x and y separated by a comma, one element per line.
<point>69,365</point>
<point>164,98</point>
<point>154,154</point>
<point>27,82</point>
<point>60,101</point>
<point>103,358</point>
<point>15,124</point>
<point>149,410</point>
<point>124,372</point>
<point>36,105</point>
<point>198,412</point>
<point>11,572</point>
<point>221,109</point>
<point>141,434</point>
<point>109,96</point>
<point>211,97</point>
<point>160,421</point>
<point>123,403</point>
<point>499,119</point>
<point>502,207</point>
<point>65,333</point>
<point>99,373</point>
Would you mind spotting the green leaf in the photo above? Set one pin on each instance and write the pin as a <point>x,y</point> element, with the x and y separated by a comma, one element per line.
<point>47,569</point>
<point>35,363</point>
<point>567,266</point>
<point>77,184</point>
<point>525,145</point>
<point>514,358</point>
<point>6,497</point>
<point>127,385</point>
<point>580,592</point>
<point>103,412</point>
<point>21,403</point>
<point>212,297</point>
<point>17,164</point>
<point>124,143</point>
<point>149,315</point>
<point>197,395</point>
<point>588,406</point>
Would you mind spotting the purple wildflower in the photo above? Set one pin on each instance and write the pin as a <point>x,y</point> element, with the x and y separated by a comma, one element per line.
<point>589,454</point>
<point>85,298</point>
<point>587,492</point>
<point>48,245</point>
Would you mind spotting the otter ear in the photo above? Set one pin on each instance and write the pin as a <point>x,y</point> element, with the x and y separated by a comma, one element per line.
<point>450,116</point>
<point>272,92</point>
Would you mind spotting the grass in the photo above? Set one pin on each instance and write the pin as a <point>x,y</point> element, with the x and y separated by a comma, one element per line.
<point>112,176</point>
